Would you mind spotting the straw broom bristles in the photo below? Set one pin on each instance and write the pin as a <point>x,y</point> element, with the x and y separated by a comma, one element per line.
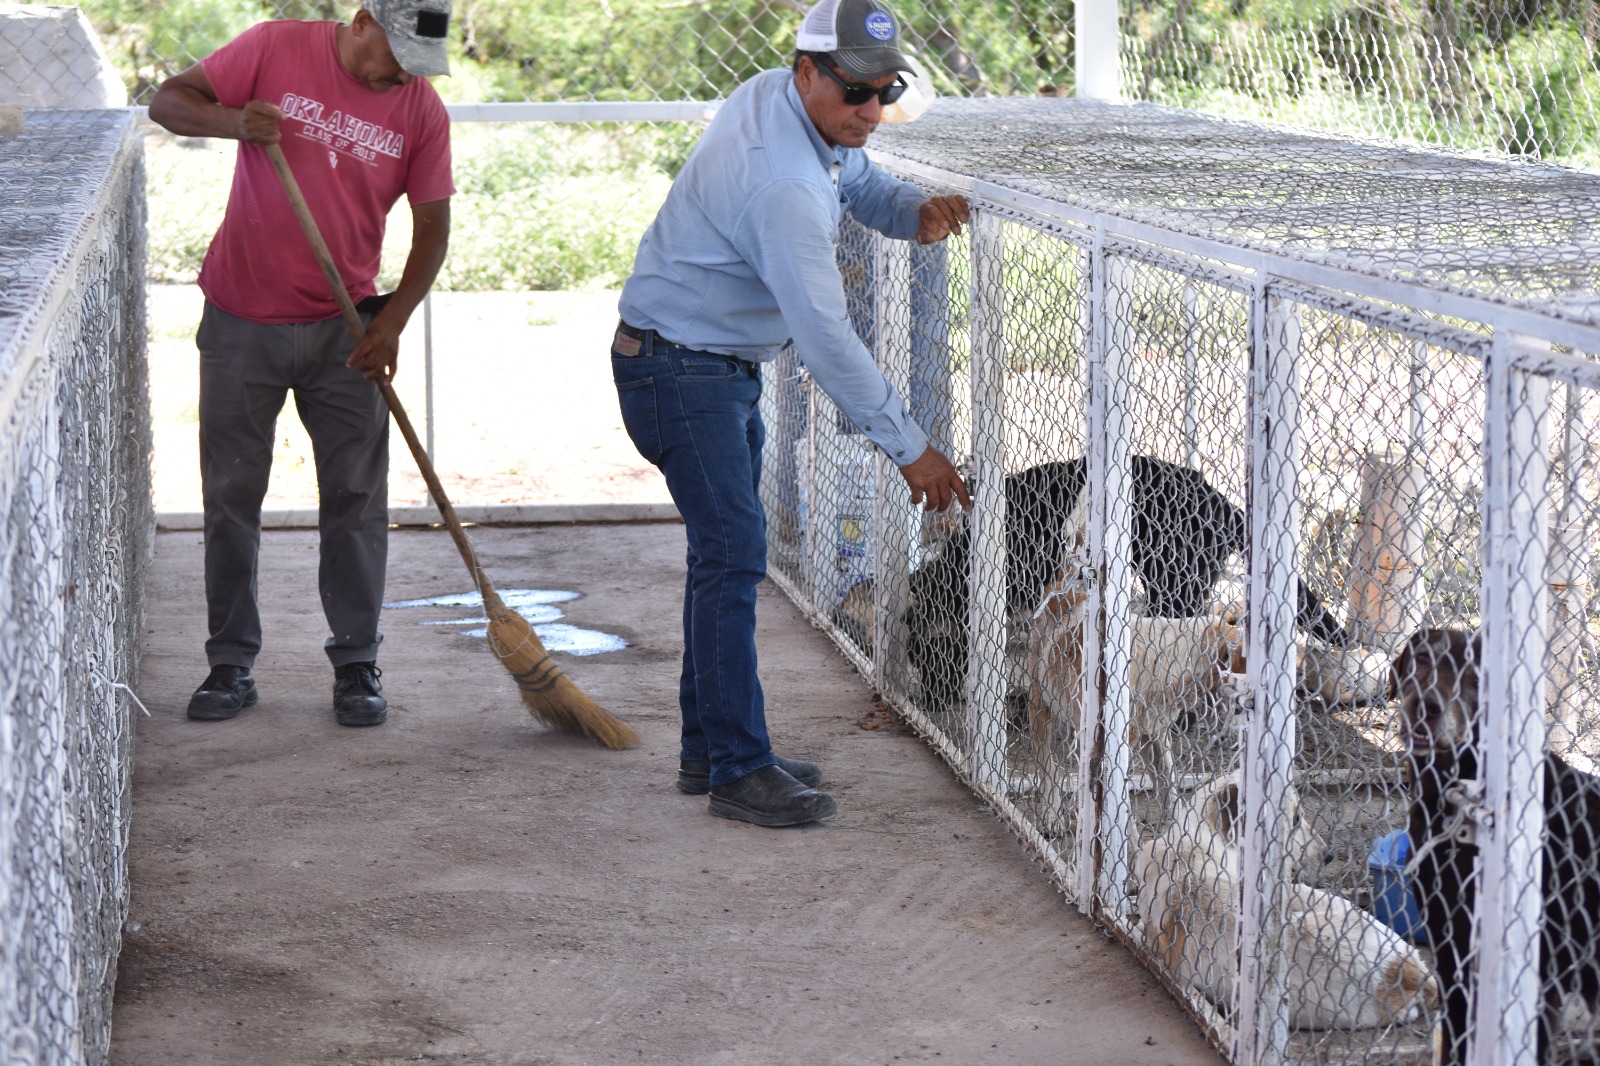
<point>548,693</point>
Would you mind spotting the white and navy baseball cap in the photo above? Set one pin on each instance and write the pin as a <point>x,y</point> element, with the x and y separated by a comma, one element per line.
<point>862,37</point>
<point>418,31</point>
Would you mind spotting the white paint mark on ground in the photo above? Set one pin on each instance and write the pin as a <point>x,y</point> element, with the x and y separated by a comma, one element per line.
<point>516,599</point>
<point>535,605</point>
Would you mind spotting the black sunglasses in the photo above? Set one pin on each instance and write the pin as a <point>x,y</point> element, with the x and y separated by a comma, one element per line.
<point>856,94</point>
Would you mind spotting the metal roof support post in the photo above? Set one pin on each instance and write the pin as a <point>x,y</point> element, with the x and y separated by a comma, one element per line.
<point>1104,809</point>
<point>819,442</point>
<point>1261,1031</point>
<point>928,319</point>
<point>1515,521</point>
<point>892,517</point>
<point>1571,547</point>
<point>1576,496</point>
<point>427,382</point>
<point>1098,50</point>
<point>1421,381</point>
<point>1190,325</point>
<point>986,673</point>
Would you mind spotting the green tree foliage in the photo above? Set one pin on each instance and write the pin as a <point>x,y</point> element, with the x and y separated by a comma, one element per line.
<point>596,49</point>
<point>1514,76</point>
<point>552,207</point>
<point>558,207</point>
<point>149,41</point>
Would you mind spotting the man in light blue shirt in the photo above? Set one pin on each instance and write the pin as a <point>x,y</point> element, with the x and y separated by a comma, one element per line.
<point>740,260</point>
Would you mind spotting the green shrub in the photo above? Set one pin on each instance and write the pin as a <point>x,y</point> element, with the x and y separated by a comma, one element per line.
<point>1535,86</point>
<point>149,41</point>
<point>537,205</point>
<point>187,184</point>
<point>545,206</point>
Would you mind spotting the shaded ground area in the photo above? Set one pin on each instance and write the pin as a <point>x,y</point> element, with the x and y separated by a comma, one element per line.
<point>462,886</point>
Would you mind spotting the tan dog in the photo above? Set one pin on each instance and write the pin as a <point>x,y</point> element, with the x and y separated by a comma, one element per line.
<point>1347,970</point>
<point>1175,664</point>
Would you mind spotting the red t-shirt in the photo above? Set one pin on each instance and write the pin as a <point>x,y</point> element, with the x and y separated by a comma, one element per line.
<point>353,150</point>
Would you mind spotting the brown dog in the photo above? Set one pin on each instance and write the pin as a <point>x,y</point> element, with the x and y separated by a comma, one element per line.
<point>1435,675</point>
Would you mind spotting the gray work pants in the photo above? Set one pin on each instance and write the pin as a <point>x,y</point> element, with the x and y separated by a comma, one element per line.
<point>246,371</point>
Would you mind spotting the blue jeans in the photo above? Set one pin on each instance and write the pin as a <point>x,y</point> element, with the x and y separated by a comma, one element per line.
<point>696,416</point>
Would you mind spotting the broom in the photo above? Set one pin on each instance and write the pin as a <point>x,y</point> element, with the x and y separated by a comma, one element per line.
<point>549,694</point>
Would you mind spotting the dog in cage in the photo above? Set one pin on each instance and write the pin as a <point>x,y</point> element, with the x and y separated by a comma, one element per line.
<point>1345,969</point>
<point>1183,532</point>
<point>1177,667</point>
<point>1435,677</point>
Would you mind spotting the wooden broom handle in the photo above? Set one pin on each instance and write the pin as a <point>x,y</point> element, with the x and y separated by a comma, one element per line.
<point>352,319</point>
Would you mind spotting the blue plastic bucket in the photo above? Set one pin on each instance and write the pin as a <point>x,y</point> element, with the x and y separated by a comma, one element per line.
<point>1392,899</point>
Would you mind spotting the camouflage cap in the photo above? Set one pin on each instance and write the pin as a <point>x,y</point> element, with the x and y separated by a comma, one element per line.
<point>418,31</point>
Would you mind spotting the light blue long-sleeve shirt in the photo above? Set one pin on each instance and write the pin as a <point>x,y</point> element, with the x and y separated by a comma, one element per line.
<point>741,256</point>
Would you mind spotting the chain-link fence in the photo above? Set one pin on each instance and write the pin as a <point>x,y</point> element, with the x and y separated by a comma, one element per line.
<point>1512,77</point>
<point>547,50</point>
<point>1170,348</point>
<point>75,541</point>
<point>1506,76</point>
<point>1244,410</point>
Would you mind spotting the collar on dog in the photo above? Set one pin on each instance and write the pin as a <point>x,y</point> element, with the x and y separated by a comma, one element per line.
<point>1465,816</point>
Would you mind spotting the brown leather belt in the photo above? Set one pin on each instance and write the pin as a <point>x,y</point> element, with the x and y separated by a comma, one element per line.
<point>630,340</point>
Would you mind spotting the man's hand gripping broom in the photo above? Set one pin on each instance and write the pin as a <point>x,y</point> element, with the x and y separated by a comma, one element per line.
<point>550,695</point>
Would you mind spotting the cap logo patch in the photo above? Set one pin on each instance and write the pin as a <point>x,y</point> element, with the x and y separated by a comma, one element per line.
<point>432,24</point>
<point>880,26</point>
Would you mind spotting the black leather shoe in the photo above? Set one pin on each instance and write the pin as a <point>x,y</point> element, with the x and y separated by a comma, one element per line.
<point>770,797</point>
<point>355,695</point>
<point>226,691</point>
<point>695,777</point>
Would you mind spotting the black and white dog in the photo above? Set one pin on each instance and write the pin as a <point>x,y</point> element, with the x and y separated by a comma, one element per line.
<point>1435,675</point>
<point>1184,532</point>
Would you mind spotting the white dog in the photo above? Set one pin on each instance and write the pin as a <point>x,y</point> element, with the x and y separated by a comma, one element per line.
<point>1347,970</point>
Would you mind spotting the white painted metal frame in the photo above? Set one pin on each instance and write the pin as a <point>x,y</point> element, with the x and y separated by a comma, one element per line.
<point>1098,49</point>
<point>1520,366</point>
<point>1103,741</point>
<point>986,680</point>
<point>1516,456</point>
<point>892,514</point>
<point>1261,1030</point>
<point>1382,293</point>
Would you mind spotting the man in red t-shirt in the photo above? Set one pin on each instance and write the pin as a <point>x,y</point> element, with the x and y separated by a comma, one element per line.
<point>360,126</point>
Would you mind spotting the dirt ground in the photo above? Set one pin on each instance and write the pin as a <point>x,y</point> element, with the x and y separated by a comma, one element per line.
<point>462,886</point>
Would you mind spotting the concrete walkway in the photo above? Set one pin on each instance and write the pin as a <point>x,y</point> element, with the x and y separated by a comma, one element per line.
<point>462,886</point>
